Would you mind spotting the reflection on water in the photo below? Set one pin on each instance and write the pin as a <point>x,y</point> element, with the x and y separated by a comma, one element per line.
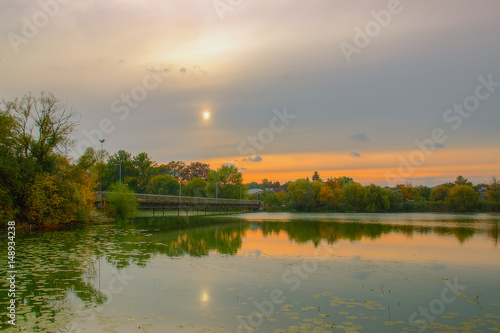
<point>218,274</point>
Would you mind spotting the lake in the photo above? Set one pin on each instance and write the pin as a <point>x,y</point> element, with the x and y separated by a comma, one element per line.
<point>261,272</point>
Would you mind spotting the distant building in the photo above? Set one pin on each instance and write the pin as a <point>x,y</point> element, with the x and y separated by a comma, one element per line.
<point>255,191</point>
<point>482,192</point>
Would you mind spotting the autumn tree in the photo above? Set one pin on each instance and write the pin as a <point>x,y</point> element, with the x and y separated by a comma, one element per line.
<point>408,191</point>
<point>326,196</point>
<point>440,193</point>
<point>463,198</point>
<point>44,186</point>
<point>493,191</point>
<point>197,170</point>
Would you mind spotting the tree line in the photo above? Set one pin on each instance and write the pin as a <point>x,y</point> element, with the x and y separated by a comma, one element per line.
<point>343,194</point>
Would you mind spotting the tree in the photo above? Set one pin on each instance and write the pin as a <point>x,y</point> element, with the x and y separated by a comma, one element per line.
<point>396,200</point>
<point>302,195</point>
<point>163,184</point>
<point>326,196</point>
<point>408,191</point>
<point>493,191</point>
<point>43,126</point>
<point>62,197</point>
<point>196,170</point>
<point>343,180</point>
<point>463,198</point>
<point>273,201</point>
<point>353,196</point>
<point>143,165</point>
<point>122,203</point>
<point>177,169</point>
<point>9,168</point>
<point>253,185</point>
<point>424,192</point>
<point>266,184</point>
<point>88,159</point>
<point>375,199</point>
<point>196,187</point>
<point>43,186</point>
<point>440,193</point>
<point>229,182</point>
<point>120,163</point>
<point>462,181</point>
<point>315,176</point>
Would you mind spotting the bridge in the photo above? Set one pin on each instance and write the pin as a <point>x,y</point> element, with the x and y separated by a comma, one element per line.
<point>157,202</point>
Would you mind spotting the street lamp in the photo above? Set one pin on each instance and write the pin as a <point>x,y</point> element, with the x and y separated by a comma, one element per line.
<point>216,191</point>
<point>180,189</point>
<point>100,176</point>
<point>120,171</point>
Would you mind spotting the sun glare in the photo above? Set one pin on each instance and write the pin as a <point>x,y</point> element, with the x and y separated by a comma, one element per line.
<point>206,115</point>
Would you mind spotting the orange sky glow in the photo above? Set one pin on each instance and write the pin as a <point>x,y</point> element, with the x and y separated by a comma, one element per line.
<point>479,165</point>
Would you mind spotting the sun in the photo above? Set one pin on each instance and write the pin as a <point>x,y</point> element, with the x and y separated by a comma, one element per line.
<point>206,115</point>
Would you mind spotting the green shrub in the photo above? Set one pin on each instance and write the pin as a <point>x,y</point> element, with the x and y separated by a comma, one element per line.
<point>121,202</point>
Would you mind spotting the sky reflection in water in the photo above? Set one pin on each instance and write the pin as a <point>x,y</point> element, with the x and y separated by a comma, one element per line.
<point>270,272</point>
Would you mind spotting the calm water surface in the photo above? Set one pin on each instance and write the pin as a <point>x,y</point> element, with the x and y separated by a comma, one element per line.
<point>262,273</point>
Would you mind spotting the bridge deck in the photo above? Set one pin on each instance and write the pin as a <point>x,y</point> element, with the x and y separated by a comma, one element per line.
<point>152,201</point>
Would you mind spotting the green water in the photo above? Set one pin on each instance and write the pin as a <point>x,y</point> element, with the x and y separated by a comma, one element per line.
<point>261,273</point>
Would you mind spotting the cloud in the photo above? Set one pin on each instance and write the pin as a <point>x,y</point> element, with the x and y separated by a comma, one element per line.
<point>158,70</point>
<point>255,159</point>
<point>229,164</point>
<point>355,154</point>
<point>242,169</point>
<point>439,145</point>
<point>361,137</point>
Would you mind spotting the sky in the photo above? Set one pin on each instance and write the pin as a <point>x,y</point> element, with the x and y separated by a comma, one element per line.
<point>385,92</point>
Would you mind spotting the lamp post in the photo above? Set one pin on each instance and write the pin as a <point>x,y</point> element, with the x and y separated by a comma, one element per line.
<point>216,191</point>
<point>180,189</point>
<point>100,175</point>
<point>120,171</point>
